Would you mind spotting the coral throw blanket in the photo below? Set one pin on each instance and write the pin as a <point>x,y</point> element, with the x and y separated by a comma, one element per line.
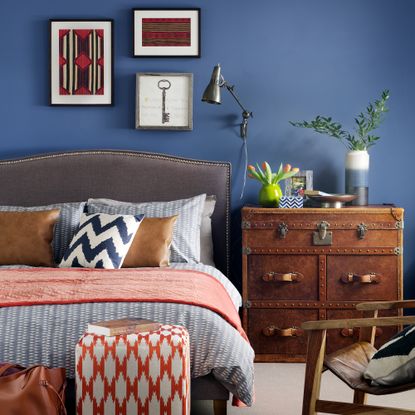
<point>40,286</point>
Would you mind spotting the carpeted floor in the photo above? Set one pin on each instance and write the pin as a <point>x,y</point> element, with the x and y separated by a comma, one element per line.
<point>279,391</point>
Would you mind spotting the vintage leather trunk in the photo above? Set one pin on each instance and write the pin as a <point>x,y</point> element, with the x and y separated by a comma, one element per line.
<point>310,264</point>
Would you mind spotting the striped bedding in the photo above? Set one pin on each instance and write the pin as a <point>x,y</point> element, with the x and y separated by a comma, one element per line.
<point>47,334</point>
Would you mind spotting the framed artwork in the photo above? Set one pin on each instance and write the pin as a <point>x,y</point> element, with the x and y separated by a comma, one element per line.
<point>164,101</point>
<point>81,62</point>
<point>162,33</point>
<point>296,185</point>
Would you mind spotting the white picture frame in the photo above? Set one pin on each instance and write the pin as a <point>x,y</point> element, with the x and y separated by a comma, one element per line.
<point>296,185</point>
<point>177,113</point>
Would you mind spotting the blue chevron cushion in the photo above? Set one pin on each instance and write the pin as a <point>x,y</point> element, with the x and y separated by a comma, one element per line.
<point>394,363</point>
<point>102,241</point>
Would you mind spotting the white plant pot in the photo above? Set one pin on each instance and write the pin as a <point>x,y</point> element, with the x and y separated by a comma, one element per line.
<point>357,176</point>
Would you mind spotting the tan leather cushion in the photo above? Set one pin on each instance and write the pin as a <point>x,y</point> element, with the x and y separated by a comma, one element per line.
<point>151,244</point>
<point>25,237</point>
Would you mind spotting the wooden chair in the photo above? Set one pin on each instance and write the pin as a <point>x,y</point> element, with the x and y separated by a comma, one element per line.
<point>350,362</point>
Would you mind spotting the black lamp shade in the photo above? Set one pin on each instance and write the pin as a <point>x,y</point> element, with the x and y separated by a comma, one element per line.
<point>212,91</point>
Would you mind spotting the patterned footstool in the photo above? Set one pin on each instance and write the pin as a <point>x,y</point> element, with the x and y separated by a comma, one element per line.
<point>141,374</point>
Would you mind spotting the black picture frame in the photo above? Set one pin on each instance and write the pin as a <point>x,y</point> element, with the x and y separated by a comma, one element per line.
<point>109,98</point>
<point>159,11</point>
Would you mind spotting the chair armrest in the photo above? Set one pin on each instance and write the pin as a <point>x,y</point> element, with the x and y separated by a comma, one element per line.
<point>385,305</point>
<point>357,322</point>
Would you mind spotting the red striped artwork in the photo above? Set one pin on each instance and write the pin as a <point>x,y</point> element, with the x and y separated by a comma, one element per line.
<point>166,32</point>
<point>81,62</point>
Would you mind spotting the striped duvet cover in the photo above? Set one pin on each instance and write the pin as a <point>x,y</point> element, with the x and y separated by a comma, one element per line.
<point>47,334</point>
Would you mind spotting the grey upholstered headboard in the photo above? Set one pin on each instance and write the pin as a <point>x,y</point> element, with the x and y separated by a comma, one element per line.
<point>122,175</point>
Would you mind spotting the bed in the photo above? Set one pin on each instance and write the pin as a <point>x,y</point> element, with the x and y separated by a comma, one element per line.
<point>133,177</point>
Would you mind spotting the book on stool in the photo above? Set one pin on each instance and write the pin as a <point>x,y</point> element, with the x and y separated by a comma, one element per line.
<point>122,326</point>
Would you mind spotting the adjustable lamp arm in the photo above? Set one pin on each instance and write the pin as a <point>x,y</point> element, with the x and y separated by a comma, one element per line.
<point>245,113</point>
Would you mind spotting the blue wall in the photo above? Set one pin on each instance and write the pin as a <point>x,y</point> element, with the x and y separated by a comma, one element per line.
<point>290,59</point>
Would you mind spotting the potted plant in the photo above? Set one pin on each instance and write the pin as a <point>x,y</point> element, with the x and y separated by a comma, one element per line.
<point>357,158</point>
<point>270,192</point>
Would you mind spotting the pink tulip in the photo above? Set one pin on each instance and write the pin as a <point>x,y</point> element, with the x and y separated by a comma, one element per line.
<point>251,167</point>
<point>287,168</point>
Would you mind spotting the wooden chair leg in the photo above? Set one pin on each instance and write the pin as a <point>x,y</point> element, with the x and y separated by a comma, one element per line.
<point>366,334</point>
<point>314,367</point>
<point>359,397</point>
<point>220,407</point>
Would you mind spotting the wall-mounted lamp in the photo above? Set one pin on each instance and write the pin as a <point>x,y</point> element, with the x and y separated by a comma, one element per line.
<point>212,96</point>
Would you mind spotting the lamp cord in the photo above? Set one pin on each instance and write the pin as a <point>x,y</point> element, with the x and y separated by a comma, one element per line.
<point>245,149</point>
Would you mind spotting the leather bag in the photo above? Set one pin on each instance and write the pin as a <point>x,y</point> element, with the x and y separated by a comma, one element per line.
<point>36,390</point>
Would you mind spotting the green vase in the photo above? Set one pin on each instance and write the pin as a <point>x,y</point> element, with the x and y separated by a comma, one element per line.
<point>270,195</point>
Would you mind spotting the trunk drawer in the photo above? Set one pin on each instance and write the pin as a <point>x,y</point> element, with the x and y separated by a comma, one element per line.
<point>339,338</point>
<point>362,278</point>
<point>288,277</point>
<point>264,340</point>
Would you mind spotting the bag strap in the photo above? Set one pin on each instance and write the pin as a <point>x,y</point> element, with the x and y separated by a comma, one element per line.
<point>46,384</point>
<point>7,366</point>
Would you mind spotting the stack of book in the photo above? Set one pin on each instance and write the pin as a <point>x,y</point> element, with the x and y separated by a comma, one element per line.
<point>122,326</point>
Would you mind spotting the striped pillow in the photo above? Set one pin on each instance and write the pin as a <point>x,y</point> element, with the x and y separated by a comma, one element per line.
<point>394,363</point>
<point>186,234</point>
<point>102,241</point>
<point>66,226</point>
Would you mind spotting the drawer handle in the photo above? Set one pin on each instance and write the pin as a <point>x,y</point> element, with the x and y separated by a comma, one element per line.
<point>282,277</point>
<point>371,278</point>
<point>270,331</point>
<point>356,331</point>
<point>349,332</point>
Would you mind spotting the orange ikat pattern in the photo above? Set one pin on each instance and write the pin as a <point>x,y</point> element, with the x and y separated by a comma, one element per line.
<point>143,374</point>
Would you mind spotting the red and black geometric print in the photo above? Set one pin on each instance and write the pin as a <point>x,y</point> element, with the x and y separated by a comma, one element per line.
<point>166,32</point>
<point>81,62</point>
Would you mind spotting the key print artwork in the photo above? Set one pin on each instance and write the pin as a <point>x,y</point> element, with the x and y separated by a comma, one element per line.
<point>164,101</point>
<point>81,62</point>
<point>164,85</point>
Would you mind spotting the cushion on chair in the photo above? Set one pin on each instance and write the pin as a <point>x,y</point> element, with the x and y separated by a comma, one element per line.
<point>394,363</point>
